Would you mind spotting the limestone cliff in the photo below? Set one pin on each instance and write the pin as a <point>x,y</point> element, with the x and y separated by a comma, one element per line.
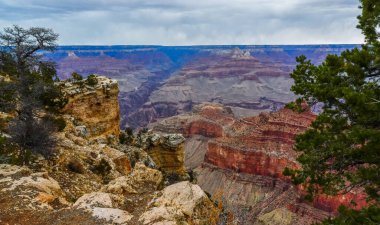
<point>95,108</point>
<point>167,151</point>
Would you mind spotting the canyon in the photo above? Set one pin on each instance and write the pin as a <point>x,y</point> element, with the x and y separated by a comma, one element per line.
<point>244,158</point>
<point>167,174</point>
<point>227,101</point>
<point>157,82</point>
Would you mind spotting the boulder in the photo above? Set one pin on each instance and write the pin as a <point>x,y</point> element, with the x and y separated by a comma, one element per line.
<point>142,179</point>
<point>123,165</point>
<point>95,199</point>
<point>111,215</point>
<point>101,206</point>
<point>177,203</point>
<point>38,190</point>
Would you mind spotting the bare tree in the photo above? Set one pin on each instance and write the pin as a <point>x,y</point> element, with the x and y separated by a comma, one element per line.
<point>33,78</point>
<point>24,43</point>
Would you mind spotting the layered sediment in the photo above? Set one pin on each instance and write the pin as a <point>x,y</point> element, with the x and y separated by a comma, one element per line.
<point>95,108</point>
<point>245,158</point>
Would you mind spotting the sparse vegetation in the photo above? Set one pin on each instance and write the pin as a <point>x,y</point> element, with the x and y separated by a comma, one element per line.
<point>219,215</point>
<point>58,122</point>
<point>30,89</point>
<point>91,80</point>
<point>172,178</point>
<point>75,166</point>
<point>101,168</point>
<point>76,76</point>
<point>122,138</point>
<point>126,136</point>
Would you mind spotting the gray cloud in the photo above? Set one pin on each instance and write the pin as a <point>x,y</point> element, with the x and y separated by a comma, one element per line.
<point>189,22</point>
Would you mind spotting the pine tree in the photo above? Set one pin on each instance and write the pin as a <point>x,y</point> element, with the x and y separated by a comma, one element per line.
<point>341,151</point>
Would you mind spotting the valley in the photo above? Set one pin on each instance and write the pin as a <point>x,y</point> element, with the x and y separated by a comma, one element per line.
<point>157,82</point>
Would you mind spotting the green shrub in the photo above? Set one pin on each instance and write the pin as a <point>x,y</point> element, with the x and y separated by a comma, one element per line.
<point>129,131</point>
<point>58,122</point>
<point>33,136</point>
<point>76,76</point>
<point>10,153</point>
<point>75,166</point>
<point>172,178</point>
<point>53,98</point>
<point>126,137</point>
<point>92,80</point>
<point>122,138</point>
<point>101,168</point>
<point>192,176</point>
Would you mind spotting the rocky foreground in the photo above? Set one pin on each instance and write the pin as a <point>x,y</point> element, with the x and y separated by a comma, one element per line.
<point>244,158</point>
<point>96,180</point>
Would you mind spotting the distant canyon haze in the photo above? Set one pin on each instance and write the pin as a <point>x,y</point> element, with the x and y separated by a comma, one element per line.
<point>157,82</point>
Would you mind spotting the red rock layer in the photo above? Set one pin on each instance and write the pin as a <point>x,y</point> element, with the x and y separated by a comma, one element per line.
<point>256,162</point>
<point>261,145</point>
<point>204,128</point>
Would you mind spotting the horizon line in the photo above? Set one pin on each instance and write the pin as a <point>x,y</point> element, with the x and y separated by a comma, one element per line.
<point>201,45</point>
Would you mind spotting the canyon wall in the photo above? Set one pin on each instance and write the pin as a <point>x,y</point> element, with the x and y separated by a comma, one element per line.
<point>244,158</point>
<point>158,82</point>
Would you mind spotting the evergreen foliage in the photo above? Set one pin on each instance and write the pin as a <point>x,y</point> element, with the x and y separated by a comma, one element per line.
<point>341,151</point>
<point>76,76</point>
<point>91,80</point>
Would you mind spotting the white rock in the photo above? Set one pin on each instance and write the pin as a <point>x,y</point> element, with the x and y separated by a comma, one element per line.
<point>114,216</point>
<point>94,199</point>
<point>38,181</point>
<point>178,201</point>
<point>8,170</point>
<point>182,195</point>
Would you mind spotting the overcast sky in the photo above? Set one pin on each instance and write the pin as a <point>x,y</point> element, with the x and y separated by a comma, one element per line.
<point>189,22</point>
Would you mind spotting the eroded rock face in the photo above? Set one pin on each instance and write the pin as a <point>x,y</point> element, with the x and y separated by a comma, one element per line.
<point>167,151</point>
<point>161,81</point>
<point>234,78</point>
<point>94,107</point>
<point>244,158</point>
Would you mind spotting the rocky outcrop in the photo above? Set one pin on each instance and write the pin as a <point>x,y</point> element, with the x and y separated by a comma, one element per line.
<point>94,108</point>
<point>182,202</point>
<point>244,158</point>
<point>140,181</point>
<point>39,189</point>
<point>101,206</point>
<point>167,151</point>
<point>93,179</point>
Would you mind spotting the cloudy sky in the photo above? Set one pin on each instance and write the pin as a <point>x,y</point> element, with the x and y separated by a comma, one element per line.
<point>189,22</point>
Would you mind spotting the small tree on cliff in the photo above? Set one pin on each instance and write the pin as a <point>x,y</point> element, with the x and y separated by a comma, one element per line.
<point>34,91</point>
<point>341,151</point>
